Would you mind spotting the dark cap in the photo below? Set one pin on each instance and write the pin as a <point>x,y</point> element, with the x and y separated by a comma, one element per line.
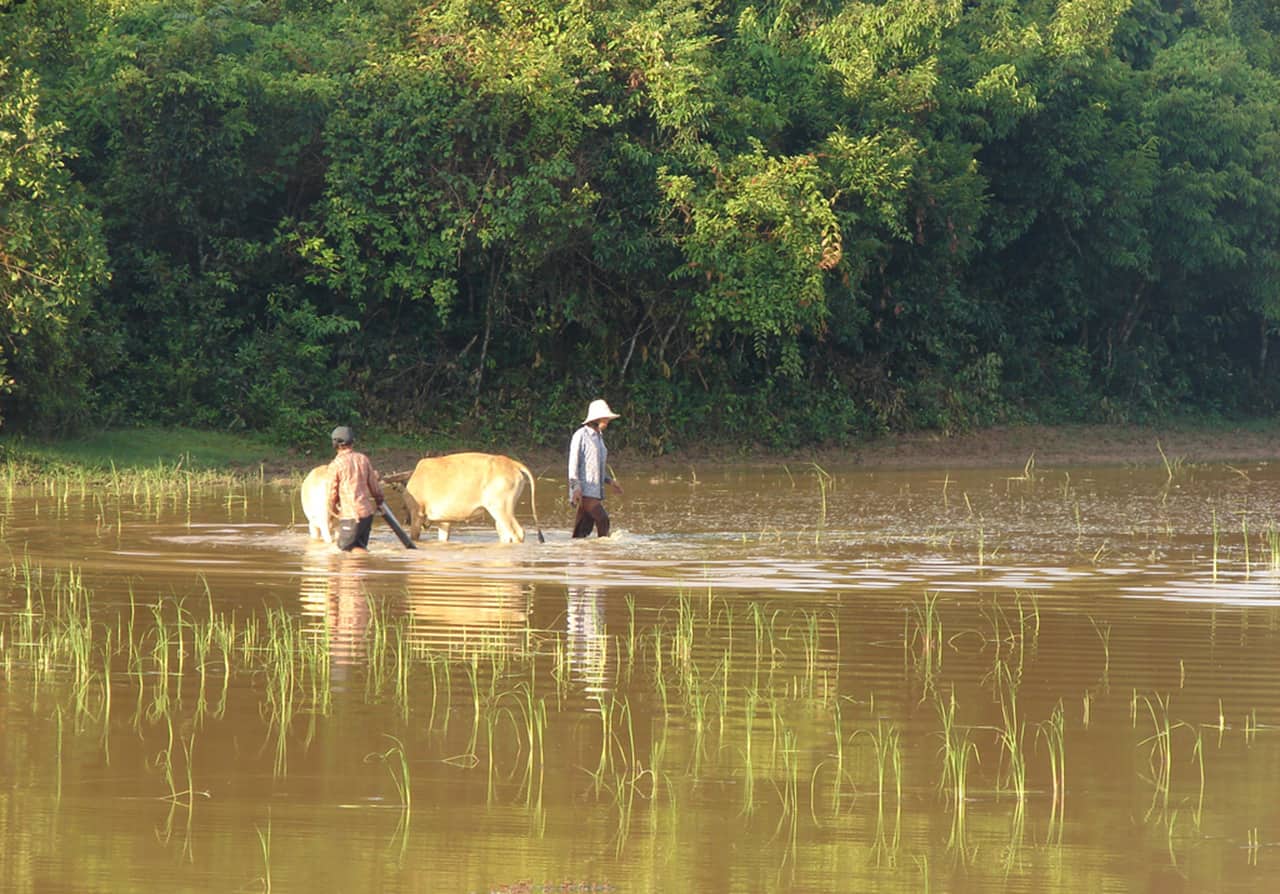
<point>343,435</point>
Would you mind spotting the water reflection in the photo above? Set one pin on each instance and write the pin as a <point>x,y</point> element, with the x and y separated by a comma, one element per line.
<point>458,612</point>
<point>342,595</point>
<point>333,595</point>
<point>903,697</point>
<point>587,643</point>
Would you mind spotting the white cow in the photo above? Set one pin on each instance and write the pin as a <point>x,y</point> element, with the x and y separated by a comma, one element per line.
<point>315,504</point>
<point>444,490</point>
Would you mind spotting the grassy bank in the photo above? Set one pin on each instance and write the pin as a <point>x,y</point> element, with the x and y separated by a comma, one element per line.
<point>168,451</point>
<point>176,452</point>
<point>181,451</point>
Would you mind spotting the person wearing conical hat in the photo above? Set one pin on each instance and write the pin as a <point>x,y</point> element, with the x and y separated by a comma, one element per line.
<point>589,471</point>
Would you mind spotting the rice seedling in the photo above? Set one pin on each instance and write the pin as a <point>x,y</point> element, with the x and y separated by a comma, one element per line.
<point>1160,754</point>
<point>401,688</point>
<point>765,639</point>
<point>1104,634</point>
<point>1172,467</point>
<point>811,646</point>
<point>789,789</point>
<point>1244,533</point>
<point>1215,545</point>
<point>1028,475</point>
<point>631,632</point>
<point>696,703</point>
<point>922,864</point>
<point>164,759</point>
<point>1011,736</point>
<point>825,482</point>
<point>837,788</point>
<point>264,844</point>
<point>397,764</point>
<point>1198,754</point>
<point>1021,599</point>
<point>927,638</point>
<point>105,739</point>
<point>1053,731</point>
<point>886,743</point>
<point>57,792</point>
<point>534,716</point>
<point>997,618</point>
<point>606,715</point>
<point>957,750</point>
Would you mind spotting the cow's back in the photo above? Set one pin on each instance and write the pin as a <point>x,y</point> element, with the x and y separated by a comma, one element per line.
<point>315,490</point>
<point>456,486</point>
<point>315,501</point>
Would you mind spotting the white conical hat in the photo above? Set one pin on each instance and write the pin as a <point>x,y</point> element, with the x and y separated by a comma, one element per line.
<point>599,410</point>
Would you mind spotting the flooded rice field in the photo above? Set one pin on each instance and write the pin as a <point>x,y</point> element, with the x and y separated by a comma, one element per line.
<point>771,678</point>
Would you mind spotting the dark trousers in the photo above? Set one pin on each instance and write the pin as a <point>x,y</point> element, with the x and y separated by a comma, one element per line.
<point>353,533</point>
<point>591,514</point>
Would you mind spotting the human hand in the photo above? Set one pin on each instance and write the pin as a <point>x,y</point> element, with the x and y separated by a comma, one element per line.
<point>616,487</point>
<point>574,496</point>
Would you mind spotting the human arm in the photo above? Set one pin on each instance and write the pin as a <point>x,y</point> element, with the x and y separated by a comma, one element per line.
<point>575,468</point>
<point>375,489</point>
<point>612,482</point>
<point>334,498</point>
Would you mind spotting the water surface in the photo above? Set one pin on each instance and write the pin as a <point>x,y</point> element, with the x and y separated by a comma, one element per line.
<point>771,678</point>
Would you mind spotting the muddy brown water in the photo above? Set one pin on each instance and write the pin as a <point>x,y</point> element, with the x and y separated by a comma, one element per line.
<point>771,678</point>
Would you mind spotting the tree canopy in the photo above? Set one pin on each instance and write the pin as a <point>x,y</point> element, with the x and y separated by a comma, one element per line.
<point>764,222</point>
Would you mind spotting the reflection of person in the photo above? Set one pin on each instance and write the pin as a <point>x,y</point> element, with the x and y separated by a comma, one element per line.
<point>588,644</point>
<point>333,597</point>
<point>348,613</point>
<point>354,492</point>
<point>589,471</point>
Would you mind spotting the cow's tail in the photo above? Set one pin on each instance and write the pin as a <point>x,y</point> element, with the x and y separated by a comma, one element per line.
<point>533,500</point>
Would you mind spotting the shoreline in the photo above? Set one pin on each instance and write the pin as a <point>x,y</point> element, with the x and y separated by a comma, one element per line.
<point>180,451</point>
<point>997,447</point>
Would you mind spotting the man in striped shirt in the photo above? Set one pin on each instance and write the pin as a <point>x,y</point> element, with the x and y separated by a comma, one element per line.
<point>354,491</point>
<point>589,471</point>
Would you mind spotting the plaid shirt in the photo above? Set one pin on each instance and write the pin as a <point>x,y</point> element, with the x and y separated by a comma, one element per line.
<point>353,485</point>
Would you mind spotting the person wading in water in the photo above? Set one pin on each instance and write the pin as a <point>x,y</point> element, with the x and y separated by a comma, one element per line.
<point>354,492</point>
<point>589,471</point>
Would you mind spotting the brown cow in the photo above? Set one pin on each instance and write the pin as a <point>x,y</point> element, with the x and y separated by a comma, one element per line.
<point>444,490</point>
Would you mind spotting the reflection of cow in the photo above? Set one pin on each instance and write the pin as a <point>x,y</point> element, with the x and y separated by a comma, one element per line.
<point>460,607</point>
<point>315,504</point>
<point>446,489</point>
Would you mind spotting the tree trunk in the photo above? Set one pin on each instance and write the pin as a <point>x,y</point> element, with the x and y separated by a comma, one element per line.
<point>1263,345</point>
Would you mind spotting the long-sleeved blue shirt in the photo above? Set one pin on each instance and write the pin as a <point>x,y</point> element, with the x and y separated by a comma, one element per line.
<point>588,463</point>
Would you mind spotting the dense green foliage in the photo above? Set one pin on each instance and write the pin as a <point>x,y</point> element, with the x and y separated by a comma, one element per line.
<point>772,222</point>
<point>51,258</point>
